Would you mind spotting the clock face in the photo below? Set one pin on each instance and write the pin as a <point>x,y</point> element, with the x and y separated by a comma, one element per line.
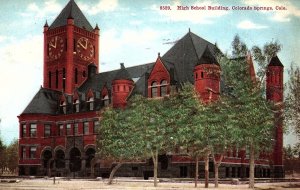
<point>85,49</point>
<point>56,47</point>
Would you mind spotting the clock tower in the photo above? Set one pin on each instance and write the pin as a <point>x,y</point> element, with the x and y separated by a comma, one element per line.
<point>70,45</point>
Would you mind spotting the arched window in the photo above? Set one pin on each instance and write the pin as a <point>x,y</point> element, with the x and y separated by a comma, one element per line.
<point>153,89</point>
<point>91,103</point>
<point>49,79</point>
<point>56,78</point>
<point>76,76</point>
<point>63,106</point>
<point>163,88</point>
<point>76,104</point>
<point>105,100</point>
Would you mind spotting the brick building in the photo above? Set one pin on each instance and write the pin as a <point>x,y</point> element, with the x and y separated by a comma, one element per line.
<point>58,127</point>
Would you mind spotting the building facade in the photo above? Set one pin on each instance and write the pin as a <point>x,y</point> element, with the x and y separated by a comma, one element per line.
<point>58,127</point>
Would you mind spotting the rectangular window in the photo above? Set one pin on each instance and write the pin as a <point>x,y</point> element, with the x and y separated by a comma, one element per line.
<point>24,130</point>
<point>86,128</point>
<point>32,152</point>
<point>23,152</point>
<point>32,130</point>
<point>76,129</point>
<point>61,130</point>
<point>96,126</point>
<point>47,130</point>
<point>68,129</point>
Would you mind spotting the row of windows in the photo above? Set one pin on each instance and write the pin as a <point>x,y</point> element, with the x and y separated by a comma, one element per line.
<point>32,152</point>
<point>63,77</point>
<point>159,90</point>
<point>61,129</point>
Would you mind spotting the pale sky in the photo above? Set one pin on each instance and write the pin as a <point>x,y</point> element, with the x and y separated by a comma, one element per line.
<point>132,32</point>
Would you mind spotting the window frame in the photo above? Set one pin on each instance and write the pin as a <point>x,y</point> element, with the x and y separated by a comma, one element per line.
<point>32,154</point>
<point>48,129</point>
<point>68,129</point>
<point>24,130</point>
<point>86,130</point>
<point>33,133</point>
<point>154,89</point>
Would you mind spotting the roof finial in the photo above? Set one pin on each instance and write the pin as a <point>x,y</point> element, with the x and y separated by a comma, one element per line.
<point>189,30</point>
<point>46,24</point>
<point>96,28</point>
<point>158,54</point>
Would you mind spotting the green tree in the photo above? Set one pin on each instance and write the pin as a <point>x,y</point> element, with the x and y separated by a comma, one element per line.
<point>250,113</point>
<point>292,102</point>
<point>119,140</point>
<point>12,154</point>
<point>155,121</point>
<point>3,157</point>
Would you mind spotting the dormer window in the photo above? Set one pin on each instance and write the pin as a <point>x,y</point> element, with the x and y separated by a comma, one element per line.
<point>105,100</point>
<point>91,103</point>
<point>154,89</point>
<point>163,88</point>
<point>76,105</point>
<point>63,106</point>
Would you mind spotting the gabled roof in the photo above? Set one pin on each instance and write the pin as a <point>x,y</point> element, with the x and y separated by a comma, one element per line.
<point>44,102</point>
<point>122,74</point>
<point>275,62</point>
<point>98,81</point>
<point>207,57</point>
<point>72,10</point>
<point>186,53</point>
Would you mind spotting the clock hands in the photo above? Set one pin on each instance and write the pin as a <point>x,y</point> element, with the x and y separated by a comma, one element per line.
<point>51,42</point>
<point>84,46</point>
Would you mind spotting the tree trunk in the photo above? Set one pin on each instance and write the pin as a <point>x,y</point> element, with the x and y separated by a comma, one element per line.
<point>252,165</point>
<point>112,173</point>
<point>197,171</point>
<point>206,160</point>
<point>155,163</point>
<point>217,175</point>
<point>217,164</point>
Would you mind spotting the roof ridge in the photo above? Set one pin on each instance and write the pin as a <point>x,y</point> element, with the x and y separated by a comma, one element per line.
<point>193,44</point>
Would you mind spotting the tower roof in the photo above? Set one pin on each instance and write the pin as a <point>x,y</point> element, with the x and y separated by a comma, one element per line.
<point>122,73</point>
<point>275,62</point>
<point>207,57</point>
<point>186,53</point>
<point>71,10</point>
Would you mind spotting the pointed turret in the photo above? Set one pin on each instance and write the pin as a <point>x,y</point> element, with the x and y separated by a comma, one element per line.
<point>71,10</point>
<point>207,77</point>
<point>274,92</point>
<point>122,85</point>
<point>251,67</point>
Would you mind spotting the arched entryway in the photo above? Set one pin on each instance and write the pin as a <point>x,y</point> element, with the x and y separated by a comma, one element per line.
<point>46,156</point>
<point>75,160</point>
<point>89,155</point>
<point>60,159</point>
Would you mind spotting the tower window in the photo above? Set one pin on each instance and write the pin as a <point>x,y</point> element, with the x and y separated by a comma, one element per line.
<point>49,79</point>
<point>154,89</point>
<point>56,78</point>
<point>64,78</point>
<point>202,74</point>
<point>33,130</point>
<point>96,126</point>
<point>24,130</point>
<point>83,74</point>
<point>74,45</point>
<point>76,76</point>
